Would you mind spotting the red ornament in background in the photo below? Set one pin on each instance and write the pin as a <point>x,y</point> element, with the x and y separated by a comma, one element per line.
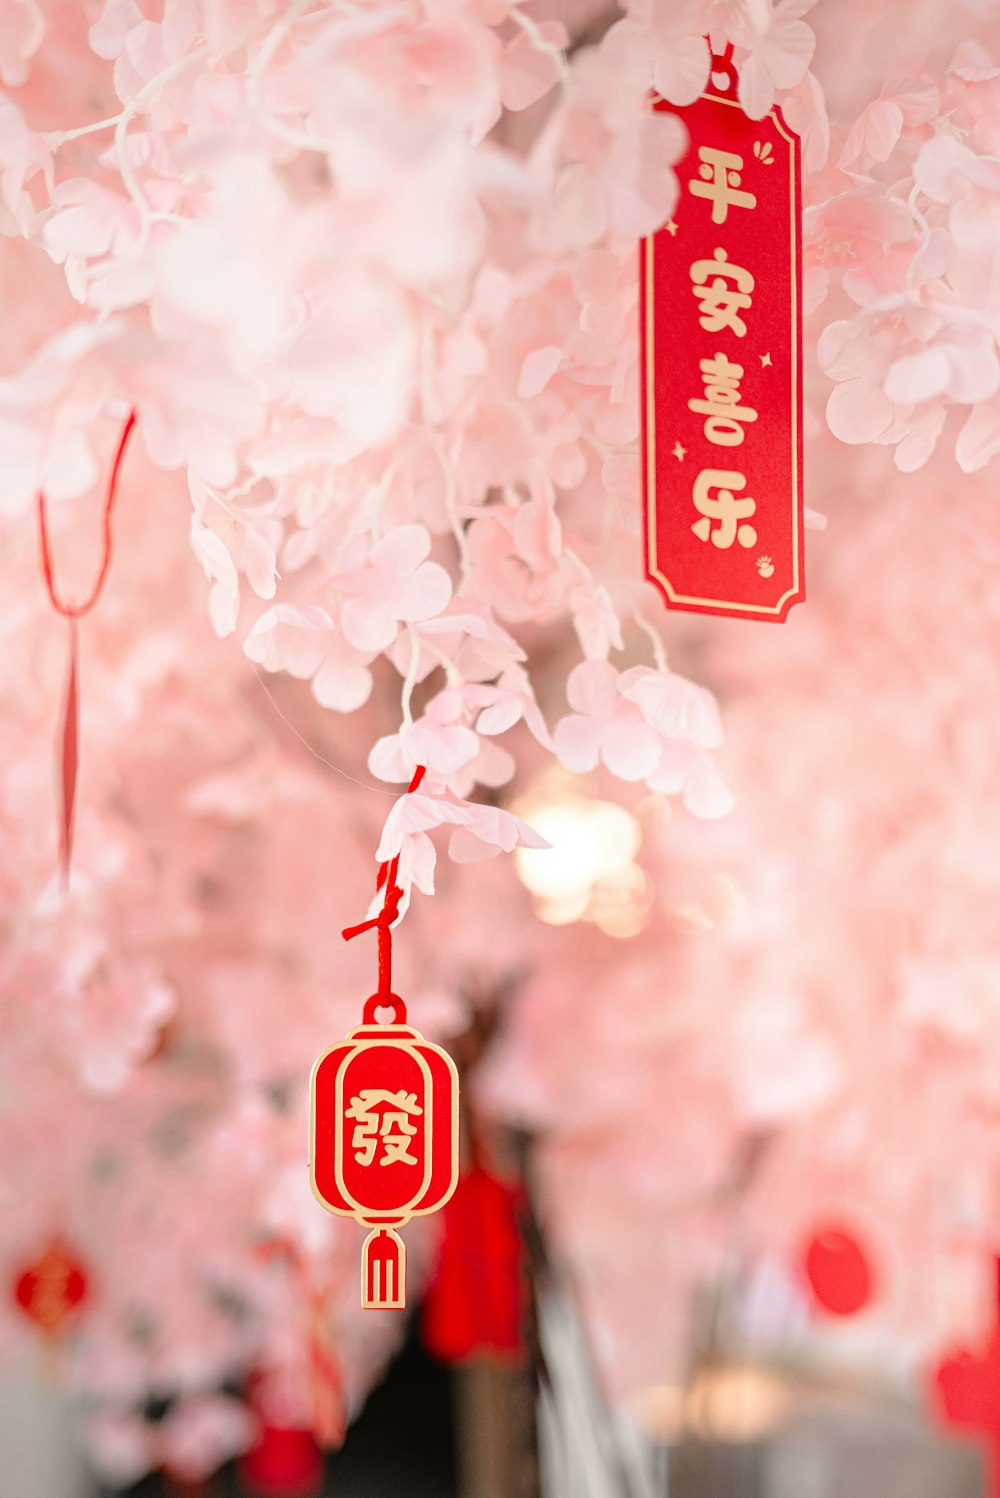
<point>52,1290</point>
<point>283,1464</point>
<point>384,1120</point>
<point>721,328</point>
<point>965,1393</point>
<point>838,1271</point>
<point>475,1302</point>
<point>325,1384</point>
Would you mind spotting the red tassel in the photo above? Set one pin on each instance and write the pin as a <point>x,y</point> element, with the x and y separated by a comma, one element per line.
<point>966,1392</point>
<point>475,1302</point>
<point>284,1463</point>
<point>329,1419</point>
<point>70,762</point>
<point>383,1271</point>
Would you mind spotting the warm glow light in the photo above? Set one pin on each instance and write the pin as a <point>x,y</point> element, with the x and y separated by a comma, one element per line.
<point>589,871</point>
<point>737,1404</point>
<point>727,1404</point>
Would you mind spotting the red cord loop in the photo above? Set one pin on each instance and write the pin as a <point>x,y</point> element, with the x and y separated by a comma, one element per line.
<point>383,1001</point>
<point>382,923</point>
<point>723,63</point>
<point>69,735</point>
<point>77,610</point>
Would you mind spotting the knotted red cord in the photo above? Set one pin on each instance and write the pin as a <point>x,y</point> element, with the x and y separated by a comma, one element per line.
<point>382,923</point>
<point>69,755</point>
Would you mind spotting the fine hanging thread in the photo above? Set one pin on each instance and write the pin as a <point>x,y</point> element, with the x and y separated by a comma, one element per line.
<point>382,923</point>
<point>69,735</point>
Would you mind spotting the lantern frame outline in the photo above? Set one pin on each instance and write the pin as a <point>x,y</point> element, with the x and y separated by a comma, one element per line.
<point>428,1162</point>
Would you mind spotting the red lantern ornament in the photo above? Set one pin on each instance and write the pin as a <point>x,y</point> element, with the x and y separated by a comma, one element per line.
<point>721,328</point>
<point>838,1272</point>
<point>51,1290</point>
<point>384,1120</point>
<point>384,1139</point>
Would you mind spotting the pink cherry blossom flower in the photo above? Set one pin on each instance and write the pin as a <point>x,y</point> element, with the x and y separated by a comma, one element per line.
<point>220,569</point>
<point>673,706</point>
<point>529,66</point>
<point>507,702</point>
<point>228,541</point>
<point>22,154</point>
<point>439,740</point>
<point>304,640</point>
<point>397,585</point>
<point>612,140</point>
<point>893,385</point>
<point>873,136</point>
<point>491,766</point>
<point>22,27</point>
<point>111,1015</point>
<point>685,770</point>
<point>779,47</point>
<point>605,726</point>
<point>946,168</point>
<point>673,36</point>
<point>804,109</point>
<point>488,830</point>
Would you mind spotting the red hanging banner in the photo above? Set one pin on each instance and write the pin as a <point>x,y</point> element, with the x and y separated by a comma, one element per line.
<point>721,328</point>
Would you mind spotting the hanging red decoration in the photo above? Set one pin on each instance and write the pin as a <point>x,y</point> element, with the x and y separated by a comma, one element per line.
<point>838,1271</point>
<point>325,1383</point>
<point>283,1463</point>
<point>384,1120</point>
<point>52,1289</point>
<point>475,1302</point>
<point>721,328</point>
<point>69,757</point>
<point>329,1417</point>
<point>966,1394</point>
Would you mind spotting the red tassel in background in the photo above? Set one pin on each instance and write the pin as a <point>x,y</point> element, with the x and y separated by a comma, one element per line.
<point>475,1302</point>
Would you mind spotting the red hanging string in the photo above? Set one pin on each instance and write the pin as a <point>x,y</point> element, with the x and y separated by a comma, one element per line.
<point>382,923</point>
<point>77,610</point>
<point>70,727</point>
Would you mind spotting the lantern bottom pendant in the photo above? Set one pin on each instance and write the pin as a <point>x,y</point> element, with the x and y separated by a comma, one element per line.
<point>383,1271</point>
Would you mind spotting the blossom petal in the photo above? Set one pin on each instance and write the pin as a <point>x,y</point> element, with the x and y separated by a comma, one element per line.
<point>592,687</point>
<point>426,593</point>
<point>674,706</point>
<point>979,439</point>
<point>858,411</point>
<point>577,741</point>
<point>630,749</point>
<point>416,812</point>
<point>918,378</point>
<point>342,685</point>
